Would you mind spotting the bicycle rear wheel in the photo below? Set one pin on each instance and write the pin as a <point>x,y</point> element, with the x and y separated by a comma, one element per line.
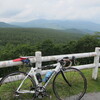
<point>69,84</point>
<point>8,87</point>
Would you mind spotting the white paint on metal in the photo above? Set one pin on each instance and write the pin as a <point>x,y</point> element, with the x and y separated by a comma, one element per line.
<point>38,63</point>
<point>96,62</point>
<point>38,59</point>
<point>78,55</point>
<point>11,63</point>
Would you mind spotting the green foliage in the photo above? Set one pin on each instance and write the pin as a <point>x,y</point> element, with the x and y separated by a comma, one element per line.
<point>34,35</point>
<point>69,47</point>
<point>24,42</point>
<point>87,44</point>
<point>48,47</point>
<point>84,44</point>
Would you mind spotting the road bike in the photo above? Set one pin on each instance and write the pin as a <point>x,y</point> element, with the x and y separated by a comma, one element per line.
<point>68,83</point>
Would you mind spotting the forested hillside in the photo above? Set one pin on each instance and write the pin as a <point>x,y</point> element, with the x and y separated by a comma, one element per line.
<point>25,42</point>
<point>15,42</point>
<point>35,35</point>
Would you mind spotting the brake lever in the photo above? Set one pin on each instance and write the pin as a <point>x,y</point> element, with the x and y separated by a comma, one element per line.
<point>73,60</point>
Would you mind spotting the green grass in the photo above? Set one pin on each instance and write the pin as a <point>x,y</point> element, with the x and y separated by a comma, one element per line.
<point>93,85</point>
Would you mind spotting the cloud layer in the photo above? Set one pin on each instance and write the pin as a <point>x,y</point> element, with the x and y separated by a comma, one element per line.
<point>25,10</point>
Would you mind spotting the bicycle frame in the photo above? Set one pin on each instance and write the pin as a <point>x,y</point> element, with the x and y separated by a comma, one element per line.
<point>64,80</point>
<point>34,71</point>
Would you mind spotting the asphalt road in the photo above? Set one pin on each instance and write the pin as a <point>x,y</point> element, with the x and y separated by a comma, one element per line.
<point>91,96</point>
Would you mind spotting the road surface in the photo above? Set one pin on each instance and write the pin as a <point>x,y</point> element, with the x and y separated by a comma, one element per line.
<point>91,96</point>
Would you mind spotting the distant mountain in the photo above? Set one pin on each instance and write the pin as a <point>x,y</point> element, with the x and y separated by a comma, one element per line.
<point>80,31</point>
<point>74,31</point>
<point>87,31</point>
<point>61,24</point>
<point>5,25</point>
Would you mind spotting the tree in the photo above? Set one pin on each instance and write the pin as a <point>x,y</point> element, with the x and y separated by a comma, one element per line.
<point>87,44</point>
<point>47,47</point>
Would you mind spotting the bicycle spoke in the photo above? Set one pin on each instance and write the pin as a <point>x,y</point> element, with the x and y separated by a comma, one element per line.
<point>8,89</point>
<point>75,90</point>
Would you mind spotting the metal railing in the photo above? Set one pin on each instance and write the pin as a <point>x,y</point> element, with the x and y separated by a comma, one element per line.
<point>38,59</point>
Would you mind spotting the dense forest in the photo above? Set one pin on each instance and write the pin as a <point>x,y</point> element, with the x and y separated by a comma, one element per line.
<point>35,35</point>
<point>24,42</point>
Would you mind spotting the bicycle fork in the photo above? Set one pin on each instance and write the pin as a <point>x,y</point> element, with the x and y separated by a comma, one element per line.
<point>65,79</point>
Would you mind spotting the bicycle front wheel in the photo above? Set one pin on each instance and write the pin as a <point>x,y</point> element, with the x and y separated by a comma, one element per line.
<point>69,84</point>
<point>10,83</point>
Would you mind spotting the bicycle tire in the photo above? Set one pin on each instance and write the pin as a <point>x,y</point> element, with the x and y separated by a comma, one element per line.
<point>8,89</point>
<point>69,84</point>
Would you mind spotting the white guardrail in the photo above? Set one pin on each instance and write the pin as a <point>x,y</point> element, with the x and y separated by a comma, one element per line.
<point>38,59</point>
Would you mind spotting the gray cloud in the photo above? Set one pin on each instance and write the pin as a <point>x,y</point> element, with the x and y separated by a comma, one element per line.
<point>25,10</point>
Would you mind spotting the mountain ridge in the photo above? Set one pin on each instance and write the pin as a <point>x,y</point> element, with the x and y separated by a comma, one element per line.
<point>83,26</point>
<point>60,24</point>
<point>7,25</point>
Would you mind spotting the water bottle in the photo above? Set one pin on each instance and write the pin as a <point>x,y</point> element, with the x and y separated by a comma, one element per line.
<point>47,76</point>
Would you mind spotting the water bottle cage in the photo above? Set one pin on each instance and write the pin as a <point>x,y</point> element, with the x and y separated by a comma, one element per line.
<point>39,78</point>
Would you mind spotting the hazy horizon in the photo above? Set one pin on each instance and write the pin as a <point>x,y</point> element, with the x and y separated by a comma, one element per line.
<point>27,10</point>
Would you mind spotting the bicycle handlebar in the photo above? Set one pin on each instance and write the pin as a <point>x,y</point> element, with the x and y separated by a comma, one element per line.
<point>66,62</point>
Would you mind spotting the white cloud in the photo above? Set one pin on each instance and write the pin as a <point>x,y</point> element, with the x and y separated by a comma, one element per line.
<point>24,10</point>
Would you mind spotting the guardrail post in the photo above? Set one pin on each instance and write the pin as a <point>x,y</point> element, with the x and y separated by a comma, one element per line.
<point>38,56</point>
<point>96,63</point>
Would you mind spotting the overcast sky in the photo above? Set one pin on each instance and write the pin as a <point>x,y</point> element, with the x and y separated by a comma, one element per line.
<point>26,10</point>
